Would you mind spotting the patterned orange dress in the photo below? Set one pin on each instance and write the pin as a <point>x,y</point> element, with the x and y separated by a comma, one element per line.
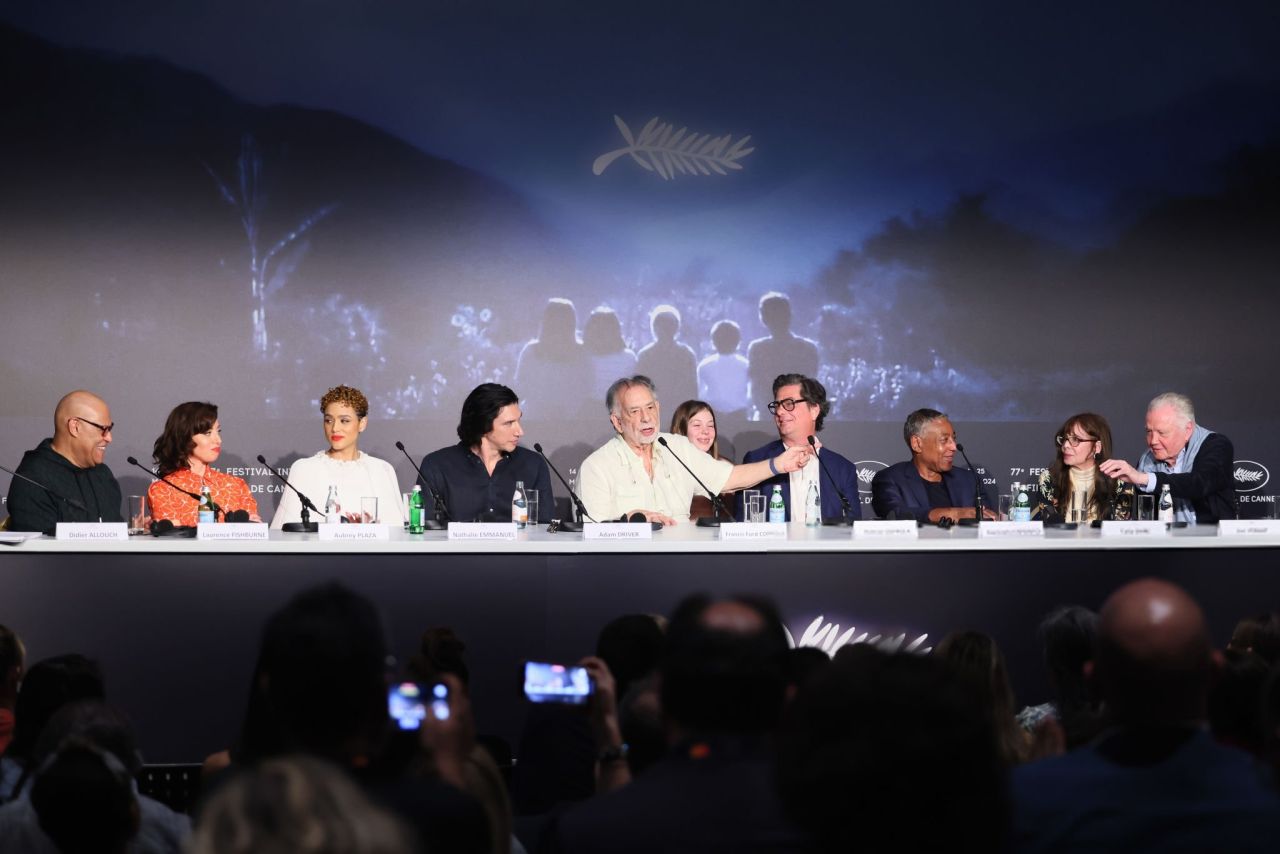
<point>229,493</point>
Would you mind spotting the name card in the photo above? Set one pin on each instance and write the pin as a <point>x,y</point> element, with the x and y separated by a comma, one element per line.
<point>753,530</point>
<point>1010,530</point>
<point>482,531</point>
<point>886,529</point>
<point>232,531</point>
<point>1249,528</point>
<point>350,533</point>
<point>617,531</point>
<point>1144,528</point>
<point>98,531</point>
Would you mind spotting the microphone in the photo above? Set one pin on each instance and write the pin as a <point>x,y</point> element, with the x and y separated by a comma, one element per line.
<point>306,526</point>
<point>165,527</point>
<point>442,509</point>
<point>716,504</point>
<point>573,496</point>
<point>846,510</point>
<point>70,502</point>
<point>978,502</point>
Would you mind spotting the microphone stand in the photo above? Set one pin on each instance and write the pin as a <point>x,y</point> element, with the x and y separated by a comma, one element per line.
<point>70,502</point>
<point>441,508</point>
<point>978,503</point>
<point>306,526</point>
<point>567,526</point>
<point>716,504</point>
<point>846,510</point>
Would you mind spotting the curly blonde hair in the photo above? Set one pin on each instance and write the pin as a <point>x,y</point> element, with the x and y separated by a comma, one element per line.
<point>352,397</point>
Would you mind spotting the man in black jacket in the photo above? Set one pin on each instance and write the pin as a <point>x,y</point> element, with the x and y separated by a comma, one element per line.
<point>69,467</point>
<point>1193,461</point>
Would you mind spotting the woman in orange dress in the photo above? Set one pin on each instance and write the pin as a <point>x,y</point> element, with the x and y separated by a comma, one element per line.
<point>184,454</point>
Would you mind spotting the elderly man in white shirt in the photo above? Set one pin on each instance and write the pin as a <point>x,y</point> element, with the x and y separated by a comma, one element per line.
<point>633,473</point>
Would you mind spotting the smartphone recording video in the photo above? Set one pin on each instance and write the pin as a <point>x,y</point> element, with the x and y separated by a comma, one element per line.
<point>555,683</point>
<point>407,703</point>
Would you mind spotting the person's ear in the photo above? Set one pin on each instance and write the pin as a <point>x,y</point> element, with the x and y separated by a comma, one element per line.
<point>364,422</point>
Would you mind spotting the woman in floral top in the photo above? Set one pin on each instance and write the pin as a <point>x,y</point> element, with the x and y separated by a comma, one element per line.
<point>184,454</point>
<point>1073,483</point>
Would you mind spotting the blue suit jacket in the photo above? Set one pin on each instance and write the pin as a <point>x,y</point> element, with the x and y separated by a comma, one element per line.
<point>842,471</point>
<point>899,489</point>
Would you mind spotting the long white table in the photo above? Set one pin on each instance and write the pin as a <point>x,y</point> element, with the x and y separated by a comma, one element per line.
<point>176,622</point>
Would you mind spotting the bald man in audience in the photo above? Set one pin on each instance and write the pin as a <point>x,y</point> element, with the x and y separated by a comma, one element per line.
<point>74,484</point>
<point>1155,780</point>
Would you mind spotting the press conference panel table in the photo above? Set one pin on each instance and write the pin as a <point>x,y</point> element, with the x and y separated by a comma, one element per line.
<point>176,622</point>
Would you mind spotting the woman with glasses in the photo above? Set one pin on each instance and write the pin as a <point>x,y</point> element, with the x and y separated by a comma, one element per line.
<point>343,465</point>
<point>184,455</point>
<point>695,420</point>
<point>1074,487</point>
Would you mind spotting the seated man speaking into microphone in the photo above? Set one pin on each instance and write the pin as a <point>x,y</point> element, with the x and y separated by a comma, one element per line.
<point>927,488</point>
<point>629,475</point>
<point>477,477</point>
<point>799,407</point>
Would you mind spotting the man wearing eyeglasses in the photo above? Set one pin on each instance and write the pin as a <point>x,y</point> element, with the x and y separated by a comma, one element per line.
<point>69,467</point>
<point>927,487</point>
<point>799,407</point>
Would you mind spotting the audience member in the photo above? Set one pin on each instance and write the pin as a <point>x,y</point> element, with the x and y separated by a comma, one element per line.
<point>673,366</point>
<point>1155,781</point>
<point>81,796</point>
<point>723,688</point>
<point>1235,701</point>
<point>884,753</point>
<point>296,804</point>
<point>722,376</point>
<point>979,666</point>
<point>631,646</point>
<point>1260,634</point>
<point>13,657</point>
<point>1067,636</point>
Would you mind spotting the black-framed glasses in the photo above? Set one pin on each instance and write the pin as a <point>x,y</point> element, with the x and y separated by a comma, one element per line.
<point>789,404</point>
<point>1071,441</point>
<point>105,428</point>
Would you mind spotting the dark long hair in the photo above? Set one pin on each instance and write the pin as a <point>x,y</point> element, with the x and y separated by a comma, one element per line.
<point>1096,427</point>
<point>175,444</point>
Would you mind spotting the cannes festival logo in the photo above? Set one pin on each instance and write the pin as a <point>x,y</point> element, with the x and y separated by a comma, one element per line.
<point>1250,476</point>
<point>827,637</point>
<point>657,148</point>
<point>867,470</point>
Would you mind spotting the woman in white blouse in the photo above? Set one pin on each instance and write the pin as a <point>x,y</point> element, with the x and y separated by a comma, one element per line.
<point>355,474</point>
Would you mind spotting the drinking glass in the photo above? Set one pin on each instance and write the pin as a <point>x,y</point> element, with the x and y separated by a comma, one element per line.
<point>404,496</point>
<point>1005,503</point>
<point>138,518</point>
<point>531,497</point>
<point>1146,507</point>
<point>368,509</point>
<point>755,509</point>
<point>747,495</point>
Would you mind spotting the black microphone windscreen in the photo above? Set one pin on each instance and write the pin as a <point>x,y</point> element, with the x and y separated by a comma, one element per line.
<point>959,447</point>
<point>537,447</point>
<point>262,459</point>
<point>237,516</point>
<point>133,461</point>
<point>637,517</point>
<point>399,446</point>
<point>662,441</point>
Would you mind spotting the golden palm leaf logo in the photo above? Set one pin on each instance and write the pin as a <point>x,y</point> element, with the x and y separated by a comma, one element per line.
<point>658,148</point>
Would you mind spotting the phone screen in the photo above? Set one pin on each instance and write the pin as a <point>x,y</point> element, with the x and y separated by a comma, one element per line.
<point>556,683</point>
<point>407,703</point>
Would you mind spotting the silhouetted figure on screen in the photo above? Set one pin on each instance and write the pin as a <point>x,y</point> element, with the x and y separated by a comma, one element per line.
<point>722,376</point>
<point>553,373</point>
<point>672,365</point>
<point>780,352</point>
<point>607,350</point>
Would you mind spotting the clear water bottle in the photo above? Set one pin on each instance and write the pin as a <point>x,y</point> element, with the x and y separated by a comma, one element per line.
<point>519,506</point>
<point>1020,511</point>
<point>1166,505</point>
<point>777,509</point>
<point>573,484</point>
<point>205,512</point>
<point>332,509</point>
<point>812,506</point>
<point>416,513</point>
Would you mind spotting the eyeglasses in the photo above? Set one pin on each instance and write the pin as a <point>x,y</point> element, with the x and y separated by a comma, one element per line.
<point>789,404</point>
<point>1072,441</point>
<point>105,428</point>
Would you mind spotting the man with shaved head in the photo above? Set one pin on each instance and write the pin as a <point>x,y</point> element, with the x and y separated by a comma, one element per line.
<point>1155,780</point>
<point>77,486</point>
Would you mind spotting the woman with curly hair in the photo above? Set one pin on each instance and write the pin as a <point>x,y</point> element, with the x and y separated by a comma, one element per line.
<point>343,465</point>
<point>184,454</point>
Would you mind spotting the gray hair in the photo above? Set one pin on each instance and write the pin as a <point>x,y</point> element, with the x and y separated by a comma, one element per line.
<point>916,422</point>
<point>1180,402</point>
<point>612,398</point>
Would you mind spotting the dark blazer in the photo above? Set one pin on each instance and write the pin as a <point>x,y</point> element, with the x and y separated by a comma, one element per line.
<point>842,471</point>
<point>1210,485</point>
<point>899,489</point>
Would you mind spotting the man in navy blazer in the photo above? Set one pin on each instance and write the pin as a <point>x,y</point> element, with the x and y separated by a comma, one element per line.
<point>926,487</point>
<point>799,407</point>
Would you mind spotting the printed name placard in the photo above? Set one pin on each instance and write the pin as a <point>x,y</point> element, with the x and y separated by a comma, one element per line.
<point>99,531</point>
<point>1249,528</point>
<point>1145,528</point>
<point>232,531</point>
<point>617,531</point>
<point>886,529</point>
<point>482,531</point>
<point>753,530</point>
<point>1010,530</point>
<point>353,533</point>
